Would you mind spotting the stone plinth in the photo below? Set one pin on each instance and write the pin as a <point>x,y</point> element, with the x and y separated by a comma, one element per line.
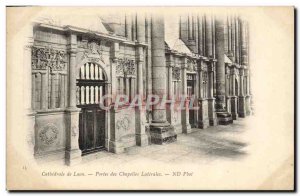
<point>242,106</point>
<point>213,121</point>
<point>140,133</point>
<point>72,153</point>
<point>248,105</point>
<point>224,118</point>
<point>228,104</point>
<point>186,127</point>
<point>162,133</point>
<point>116,147</point>
<point>203,119</point>
<point>234,108</point>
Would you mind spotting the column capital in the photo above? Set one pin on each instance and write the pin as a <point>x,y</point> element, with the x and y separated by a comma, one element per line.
<point>115,49</point>
<point>72,51</point>
<point>114,59</point>
<point>72,43</point>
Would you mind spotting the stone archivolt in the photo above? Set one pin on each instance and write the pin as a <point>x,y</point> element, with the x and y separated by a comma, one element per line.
<point>42,58</point>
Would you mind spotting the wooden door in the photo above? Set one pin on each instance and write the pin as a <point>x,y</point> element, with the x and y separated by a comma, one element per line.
<point>90,88</point>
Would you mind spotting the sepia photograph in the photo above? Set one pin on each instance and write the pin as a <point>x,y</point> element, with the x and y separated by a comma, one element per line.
<point>150,98</point>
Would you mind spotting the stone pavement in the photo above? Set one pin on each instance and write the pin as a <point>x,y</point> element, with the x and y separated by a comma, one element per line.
<point>201,146</point>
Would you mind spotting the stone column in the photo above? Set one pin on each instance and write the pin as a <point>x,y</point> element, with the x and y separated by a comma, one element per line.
<point>127,87</point>
<point>220,68</point>
<point>149,58</point>
<point>170,110</point>
<point>234,110</point>
<point>229,36</point>
<point>29,92</point>
<point>227,89</point>
<point>203,120</point>
<point>233,38</point>
<point>111,143</point>
<point>196,92</point>
<point>73,153</point>
<point>242,105</point>
<point>121,92</point>
<point>141,137</point>
<point>128,27</point>
<point>200,36</point>
<point>44,91</point>
<point>160,129</point>
<point>208,37</point>
<point>33,75</point>
<point>132,88</point>
<point>62,91</point>
<point>134,35</point>
<point>226,37</point>
<point>237,41</point>
<point>114,79</point>
<point>247,93</point>
<point>52,92</point>
<point>170,77</point>
<point>222,112</point>
<point>211,100</point>
<point>186,127</point>
<point>244,61</point>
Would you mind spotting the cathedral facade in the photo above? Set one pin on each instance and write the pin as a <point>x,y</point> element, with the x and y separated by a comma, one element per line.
<point>204,64</point>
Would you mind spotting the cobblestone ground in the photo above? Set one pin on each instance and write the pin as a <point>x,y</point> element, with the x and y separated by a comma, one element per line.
<point>201,146</point>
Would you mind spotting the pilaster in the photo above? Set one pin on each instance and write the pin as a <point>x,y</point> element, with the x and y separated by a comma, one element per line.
<point>73,153</point>
<point>203,120</point>
<point>186,127</point>
<point>211,100</point>
<point>141,137</point>
<point>242,99</point>
<point>234,98</point>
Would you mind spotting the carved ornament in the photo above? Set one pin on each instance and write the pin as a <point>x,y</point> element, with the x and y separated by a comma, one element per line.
<point>125,67</point>
<point>42,58</point>
<point>49,134</point>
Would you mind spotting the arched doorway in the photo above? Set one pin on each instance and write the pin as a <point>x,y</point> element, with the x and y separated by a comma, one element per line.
<point>90,88</point>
